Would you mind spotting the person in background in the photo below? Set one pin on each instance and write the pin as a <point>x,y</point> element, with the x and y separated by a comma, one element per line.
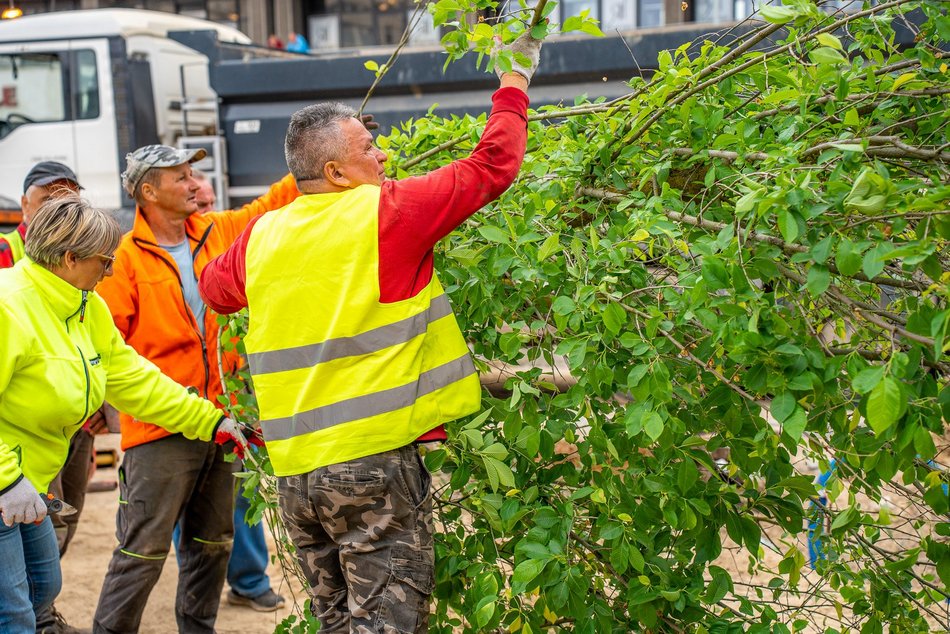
<point>204,197</point>
<point>46,181</point>
<point>247,567</point>
<point>57,337</point>
<point>355,352</point>
<point>297,43</point>
<point>170,479</point>
<point>275,42</point>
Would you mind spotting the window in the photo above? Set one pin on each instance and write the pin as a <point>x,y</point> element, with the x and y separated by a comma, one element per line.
<point>742,9</point>
<point>574,7</point>
<point>87,85</point>
<point>31,90</point>
<point>651,13</point>
<point>619,15</point>
<point>714,10</point>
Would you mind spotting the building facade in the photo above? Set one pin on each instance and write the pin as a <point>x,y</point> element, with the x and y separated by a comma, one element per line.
<point>338,24</point>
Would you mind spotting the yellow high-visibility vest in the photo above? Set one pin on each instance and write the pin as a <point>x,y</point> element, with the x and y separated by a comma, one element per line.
<point>338,374</point>
<point>16,244</point>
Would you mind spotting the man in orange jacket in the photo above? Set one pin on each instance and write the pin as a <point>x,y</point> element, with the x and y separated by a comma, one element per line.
<point>166,478</point>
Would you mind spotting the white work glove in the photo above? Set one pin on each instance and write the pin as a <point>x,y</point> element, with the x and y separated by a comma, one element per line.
<point>22,504</point>
<point>230,431</point>
<point>528,47</point>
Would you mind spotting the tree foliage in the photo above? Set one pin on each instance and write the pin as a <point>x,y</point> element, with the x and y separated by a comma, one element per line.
<point>695,298</point>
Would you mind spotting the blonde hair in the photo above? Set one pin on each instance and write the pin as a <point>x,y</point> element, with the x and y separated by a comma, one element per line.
<point>70,224</point>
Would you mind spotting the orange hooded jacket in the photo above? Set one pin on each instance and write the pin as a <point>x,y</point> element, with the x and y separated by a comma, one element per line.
<point>148,305</point>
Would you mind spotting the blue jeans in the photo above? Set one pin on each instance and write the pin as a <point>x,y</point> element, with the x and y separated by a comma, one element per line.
<point>30,577</point>
<point>247,567</point>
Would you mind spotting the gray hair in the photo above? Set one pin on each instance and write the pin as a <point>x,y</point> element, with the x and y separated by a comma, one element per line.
<point>314,138</point>
<point>70,224</point>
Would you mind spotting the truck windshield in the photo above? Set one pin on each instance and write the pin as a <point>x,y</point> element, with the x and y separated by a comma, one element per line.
<point>31,90</point>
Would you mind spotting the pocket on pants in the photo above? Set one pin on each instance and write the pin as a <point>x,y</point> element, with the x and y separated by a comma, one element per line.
<point>404,608</point>
<point>121,522</point>
<point>417,479</point>
<point>356,483</point>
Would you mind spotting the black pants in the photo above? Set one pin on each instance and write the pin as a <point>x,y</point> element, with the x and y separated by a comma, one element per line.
<point>160,483</point>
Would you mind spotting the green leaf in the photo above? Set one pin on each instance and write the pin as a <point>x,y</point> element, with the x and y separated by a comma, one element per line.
<point>563,305</point>
<point>787,225</point>
<point>903,79</point>
<point>819,279</point>
<point>653,425</point>
<point>719,585</point>
<point>884,405</point>
<point>614,318</point>
<point>748,201</point>
<point>782,406</point>
<point>827,39</point>
<point>826,55</point>
<point>494,234</point>
<point>590,27</point>
<point>777,14</point>
<point>485,611</point>
<point>867,379</point>
<point>573,23</point>
<point>794,426</point>
<point>371,65</point>
<point>527,570</point>
<point>550,246</point>
<point>498,473</point>
<point>873,262</point>
<point>847,259</point>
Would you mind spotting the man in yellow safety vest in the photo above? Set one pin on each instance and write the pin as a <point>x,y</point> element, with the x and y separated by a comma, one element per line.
<point>354,350</point>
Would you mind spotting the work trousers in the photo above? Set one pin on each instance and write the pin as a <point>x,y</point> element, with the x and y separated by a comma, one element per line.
<point>363,532</point>
<point>160,483</point>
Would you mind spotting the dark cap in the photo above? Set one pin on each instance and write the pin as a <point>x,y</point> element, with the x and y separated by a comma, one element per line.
<point>49,172</point>
<point>140,161</point>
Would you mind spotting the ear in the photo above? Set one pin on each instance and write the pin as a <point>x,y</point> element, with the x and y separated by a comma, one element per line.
<point>23,204</point>
<point>70,259</point>
<point>148,192</point>
<point>333,173</point>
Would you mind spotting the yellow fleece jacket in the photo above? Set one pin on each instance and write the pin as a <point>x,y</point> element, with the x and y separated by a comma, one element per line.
<point>60,357</point>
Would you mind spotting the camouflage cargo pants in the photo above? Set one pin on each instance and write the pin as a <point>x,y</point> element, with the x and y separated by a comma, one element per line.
<point>363,532</point>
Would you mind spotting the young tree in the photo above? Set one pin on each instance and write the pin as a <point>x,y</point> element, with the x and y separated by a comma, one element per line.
<point>693,295</point>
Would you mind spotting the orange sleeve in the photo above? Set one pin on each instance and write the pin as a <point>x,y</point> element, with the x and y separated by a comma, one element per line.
<point>119,292</point>
<point>233,222</point>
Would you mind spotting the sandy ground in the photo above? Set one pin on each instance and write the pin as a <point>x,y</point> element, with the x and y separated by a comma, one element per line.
<point>87,559</point>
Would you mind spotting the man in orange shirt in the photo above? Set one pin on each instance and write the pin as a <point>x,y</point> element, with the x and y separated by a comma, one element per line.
<point>166,478</point>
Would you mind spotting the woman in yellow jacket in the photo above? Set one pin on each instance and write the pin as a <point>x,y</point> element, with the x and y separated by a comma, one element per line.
<point>60,357</point>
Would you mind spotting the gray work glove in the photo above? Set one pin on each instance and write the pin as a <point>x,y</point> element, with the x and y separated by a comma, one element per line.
<point>21,504</point>
<point>525,46</point>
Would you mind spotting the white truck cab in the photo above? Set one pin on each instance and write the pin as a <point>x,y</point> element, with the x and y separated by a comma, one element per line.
<point>86,87</point>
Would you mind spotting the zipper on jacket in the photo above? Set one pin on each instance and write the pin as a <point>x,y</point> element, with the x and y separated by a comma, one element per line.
<point>82,358</point>
<point>82,306</point>
<point>85,369</point>
<point>181,287</point>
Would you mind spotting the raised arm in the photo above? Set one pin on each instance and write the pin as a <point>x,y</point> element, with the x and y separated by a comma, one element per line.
<point>222,280</point>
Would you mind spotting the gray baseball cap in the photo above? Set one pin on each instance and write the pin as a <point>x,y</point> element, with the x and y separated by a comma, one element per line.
<point>145,158</point>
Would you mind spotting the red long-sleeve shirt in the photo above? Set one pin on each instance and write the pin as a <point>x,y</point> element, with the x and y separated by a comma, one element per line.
<point>414,214</point>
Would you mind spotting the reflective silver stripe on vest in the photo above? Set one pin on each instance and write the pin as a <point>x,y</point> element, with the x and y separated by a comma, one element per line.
<point>370,404</point>
<point>364,343</point>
